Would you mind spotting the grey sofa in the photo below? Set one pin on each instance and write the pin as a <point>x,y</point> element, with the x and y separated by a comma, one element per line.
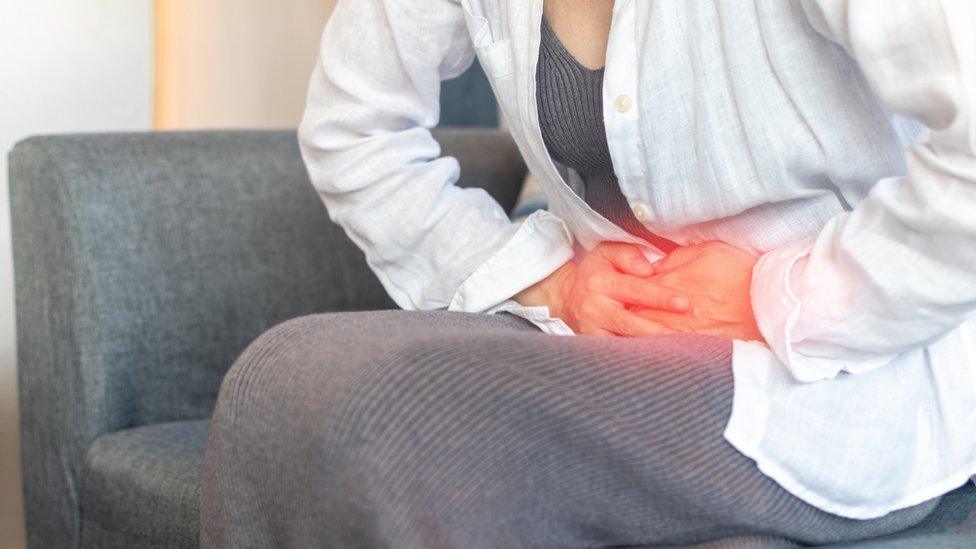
<point>144,264</point>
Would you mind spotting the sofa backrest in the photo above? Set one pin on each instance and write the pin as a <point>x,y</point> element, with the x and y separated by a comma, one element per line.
<point>145,263</point>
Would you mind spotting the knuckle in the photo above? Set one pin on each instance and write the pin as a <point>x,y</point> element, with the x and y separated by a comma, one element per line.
<point>621,325</point>
<point>649,293</point>
<point>635,290</point>
<point>595,282</point>
<point>604,248</point>
<point>627,252</point>
<point>638,289</point>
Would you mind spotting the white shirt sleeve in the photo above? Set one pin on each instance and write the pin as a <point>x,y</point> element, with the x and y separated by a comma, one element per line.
<point>365,139</point>
<point>898,271</point>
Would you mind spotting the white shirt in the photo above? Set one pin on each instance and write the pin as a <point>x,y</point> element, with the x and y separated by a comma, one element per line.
<point>835,140</point>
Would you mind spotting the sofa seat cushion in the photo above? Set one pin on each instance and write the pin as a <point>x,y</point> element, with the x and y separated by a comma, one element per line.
<point>142,486</point>
<point>952,524</point>
<point>142,489</point>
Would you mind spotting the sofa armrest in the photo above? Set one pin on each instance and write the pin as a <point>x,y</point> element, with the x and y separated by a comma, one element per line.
<point>144,263</point>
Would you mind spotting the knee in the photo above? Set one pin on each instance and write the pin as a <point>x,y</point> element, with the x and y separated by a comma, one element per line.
<point>279,376</point>
<point>293,378</point>
<point>259,360</point>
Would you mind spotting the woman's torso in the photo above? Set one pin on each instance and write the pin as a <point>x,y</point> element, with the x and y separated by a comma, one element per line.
<point>720,117</point>
<point>737,121</point>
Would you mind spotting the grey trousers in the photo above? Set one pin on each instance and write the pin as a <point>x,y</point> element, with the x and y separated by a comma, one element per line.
<point>444,429</point>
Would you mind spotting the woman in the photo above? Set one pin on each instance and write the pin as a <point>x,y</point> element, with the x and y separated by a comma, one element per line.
<point>781,193</point>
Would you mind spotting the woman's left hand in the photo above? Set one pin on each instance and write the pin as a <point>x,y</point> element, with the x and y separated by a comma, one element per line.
<point>717,278</point>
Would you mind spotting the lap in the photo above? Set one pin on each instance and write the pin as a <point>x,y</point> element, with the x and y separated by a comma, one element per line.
<point>485,422</point>
<point>333,348</point>
<point>317,360</point>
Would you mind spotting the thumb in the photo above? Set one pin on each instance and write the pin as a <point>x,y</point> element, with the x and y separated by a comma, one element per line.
<point>677,258</point>
<point>626,258</point>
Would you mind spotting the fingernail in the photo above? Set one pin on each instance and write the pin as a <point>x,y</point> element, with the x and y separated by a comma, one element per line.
<point>680,302</point>
<point>641,266</point>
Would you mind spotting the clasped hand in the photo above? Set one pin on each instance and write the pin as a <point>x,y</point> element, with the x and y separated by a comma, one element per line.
<point>616,291</point>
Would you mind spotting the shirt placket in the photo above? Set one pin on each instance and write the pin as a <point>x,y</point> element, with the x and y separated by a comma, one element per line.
<point>621,111</point>
<point>586,224</point>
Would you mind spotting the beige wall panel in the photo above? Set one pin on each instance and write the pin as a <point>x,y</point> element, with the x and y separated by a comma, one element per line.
<point>235,63</point>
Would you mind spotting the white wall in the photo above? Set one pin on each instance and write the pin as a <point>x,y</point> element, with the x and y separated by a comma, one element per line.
<point>65,66</point>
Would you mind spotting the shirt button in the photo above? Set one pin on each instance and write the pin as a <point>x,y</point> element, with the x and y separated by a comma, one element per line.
<point>640,211</point>
<point>622,103</point>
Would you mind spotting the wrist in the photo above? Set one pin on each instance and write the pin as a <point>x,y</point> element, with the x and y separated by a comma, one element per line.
<point>548,291</point>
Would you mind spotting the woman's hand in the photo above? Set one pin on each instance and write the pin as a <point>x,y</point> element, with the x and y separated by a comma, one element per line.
<point>595,297</point>
<point>717,277</point>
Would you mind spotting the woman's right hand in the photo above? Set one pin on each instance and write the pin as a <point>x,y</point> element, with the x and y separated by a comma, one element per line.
<point>592,298</point>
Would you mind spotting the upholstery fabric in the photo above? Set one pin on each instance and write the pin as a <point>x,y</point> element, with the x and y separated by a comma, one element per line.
<point>468,100</point>
<point>143,490</point>
<point>142,486</point>
<point>951,525</point>
<point>144,263</point>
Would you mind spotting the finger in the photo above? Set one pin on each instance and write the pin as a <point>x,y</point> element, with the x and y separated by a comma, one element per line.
<point>682,322</point>
<point>677,258</point>
<point>590,326</point>
<point>626,258</point>
<point>625,323</point>
<point>640,291</point>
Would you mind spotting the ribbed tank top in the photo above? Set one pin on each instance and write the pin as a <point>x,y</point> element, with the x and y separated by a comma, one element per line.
<point>570,103</point>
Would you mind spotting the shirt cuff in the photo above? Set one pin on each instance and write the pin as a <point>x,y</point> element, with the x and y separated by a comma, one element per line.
<point>538,315</point>
<point>776,292</point>
<point>802,343</point>
<point>776,307</point>
<point>538,248</point>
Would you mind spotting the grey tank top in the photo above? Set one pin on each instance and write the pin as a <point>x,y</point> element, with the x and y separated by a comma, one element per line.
<point>570,103</point>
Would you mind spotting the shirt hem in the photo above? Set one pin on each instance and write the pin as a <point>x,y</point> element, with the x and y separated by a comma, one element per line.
<point>746,441</point>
